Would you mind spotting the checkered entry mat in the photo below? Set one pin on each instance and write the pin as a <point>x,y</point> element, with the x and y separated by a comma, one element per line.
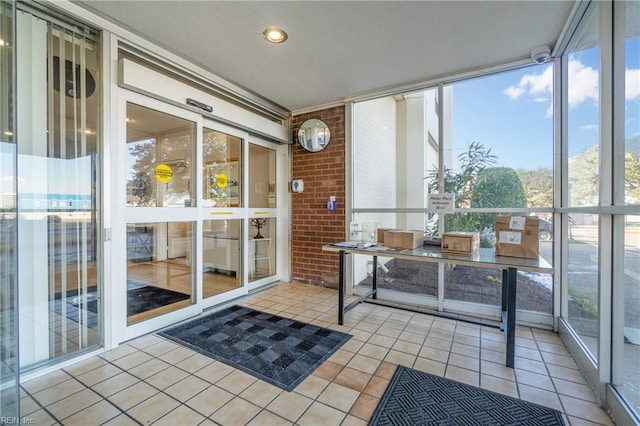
<point>278,350</point>
<point>417,398</point>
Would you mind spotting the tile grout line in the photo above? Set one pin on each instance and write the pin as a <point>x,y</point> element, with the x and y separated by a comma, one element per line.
<point>42,407</point>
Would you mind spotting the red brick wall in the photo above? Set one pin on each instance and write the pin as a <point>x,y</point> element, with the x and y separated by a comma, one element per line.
<point>313,225</point>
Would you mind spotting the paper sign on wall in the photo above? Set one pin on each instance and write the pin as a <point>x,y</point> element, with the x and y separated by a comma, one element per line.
<point>441,203</point>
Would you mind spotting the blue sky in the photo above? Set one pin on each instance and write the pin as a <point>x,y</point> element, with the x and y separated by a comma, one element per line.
<point>511,112</point>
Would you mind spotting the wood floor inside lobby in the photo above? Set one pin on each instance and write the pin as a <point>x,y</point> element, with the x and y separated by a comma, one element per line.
<point>151,380</point>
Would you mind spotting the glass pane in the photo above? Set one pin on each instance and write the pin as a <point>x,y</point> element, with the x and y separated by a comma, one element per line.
<point>262,177</point>
<point>9,367</point>
<point>222,172</point>
<point>58,192</point>
<point>159,271</point>
<point>482,285</point>
<point>582,66</point>
<point>398,275</point>
<point>488,169</point>
<point>632,103</point>
<point>512,167</point>
<point>396,143</point>
<point>262,247</point>
<point>582,274</point>
<point>626,356</point>
<point>221,256</point>
<point>160,148</point>
<point>626,359</point>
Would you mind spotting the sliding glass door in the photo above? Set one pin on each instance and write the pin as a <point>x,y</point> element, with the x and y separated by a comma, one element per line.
<point>200,214</point>
<point>160,148</point>
<point>222,199</point>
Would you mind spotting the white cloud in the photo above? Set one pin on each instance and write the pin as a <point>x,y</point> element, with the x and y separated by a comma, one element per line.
<point>514,92</point>
<point>632,84</point>
<point>583,83</point>
<point>589,127</point>
<point>532,84</point>
<point>540,100</point>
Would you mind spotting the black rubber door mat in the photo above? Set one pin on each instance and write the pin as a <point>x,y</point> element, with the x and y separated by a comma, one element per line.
<point>417,398</point>
<point>278,350</point>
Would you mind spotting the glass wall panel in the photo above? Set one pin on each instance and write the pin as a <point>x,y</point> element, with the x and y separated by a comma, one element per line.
<point>262,194</point>
<point>221,259</point>
<point>396,145</point>
<point>159,268</point>
<point>9,368</point>
<point>262,247</point>
<point>626,356</point>
<point>499,154</point>
<point>499,142</point>
<point>583,279</point>
<point>626,368</point>
<point>483,285</point>
<point>397,275</point>
<point>58,191</point>
<point>160,149</point>
<point>262,177</point>
<point>222,174</point>
<point>582,68</point>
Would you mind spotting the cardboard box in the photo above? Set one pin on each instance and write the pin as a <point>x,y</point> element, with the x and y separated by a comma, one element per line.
<point>460,242</point>
<point>403,239</point>
<point>517,236</point>
<point>381,232</point>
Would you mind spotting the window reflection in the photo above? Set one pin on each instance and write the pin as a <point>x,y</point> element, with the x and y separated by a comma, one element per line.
<point>583,279</point>
<point>626,351</point>
<point>262,177</point>
<point>159,158</point>
<point>581,65</point>
<point>222,169</point>
<point>221,256</point>
<point>262,247</point>
<point>159,271</point>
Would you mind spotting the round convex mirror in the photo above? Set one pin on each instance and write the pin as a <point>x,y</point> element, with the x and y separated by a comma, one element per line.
<point>314,135</point>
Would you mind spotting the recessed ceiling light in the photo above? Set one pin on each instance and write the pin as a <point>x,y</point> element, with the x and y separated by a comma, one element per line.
<point>275,35</point>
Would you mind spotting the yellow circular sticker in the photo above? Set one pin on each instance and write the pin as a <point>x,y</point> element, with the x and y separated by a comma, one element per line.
<point>163,173</point>
<point>221,180</point>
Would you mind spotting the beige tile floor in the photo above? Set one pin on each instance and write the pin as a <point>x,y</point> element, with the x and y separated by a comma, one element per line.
<point>151,380</point>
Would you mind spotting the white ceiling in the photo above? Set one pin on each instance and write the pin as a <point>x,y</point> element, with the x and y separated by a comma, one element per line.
<point>339,49</point>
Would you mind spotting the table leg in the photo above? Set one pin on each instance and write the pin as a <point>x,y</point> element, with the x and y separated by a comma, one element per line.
<point>512,275</point>
<point>341,289</point>
<point>374,284</point>
<point>505,289</point>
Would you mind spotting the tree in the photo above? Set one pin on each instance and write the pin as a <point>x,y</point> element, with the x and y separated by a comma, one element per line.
<point>584,176</point>
<point>631,178</point>
<point>538,185</point>
<point>461,184</point>
<point>495,187</point>
<point>584,168</point>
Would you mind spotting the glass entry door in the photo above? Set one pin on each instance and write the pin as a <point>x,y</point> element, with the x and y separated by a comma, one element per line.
<point>263,216</point>
<point>222,201</point>
<point>200,205</point>
<point>159,169</point>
